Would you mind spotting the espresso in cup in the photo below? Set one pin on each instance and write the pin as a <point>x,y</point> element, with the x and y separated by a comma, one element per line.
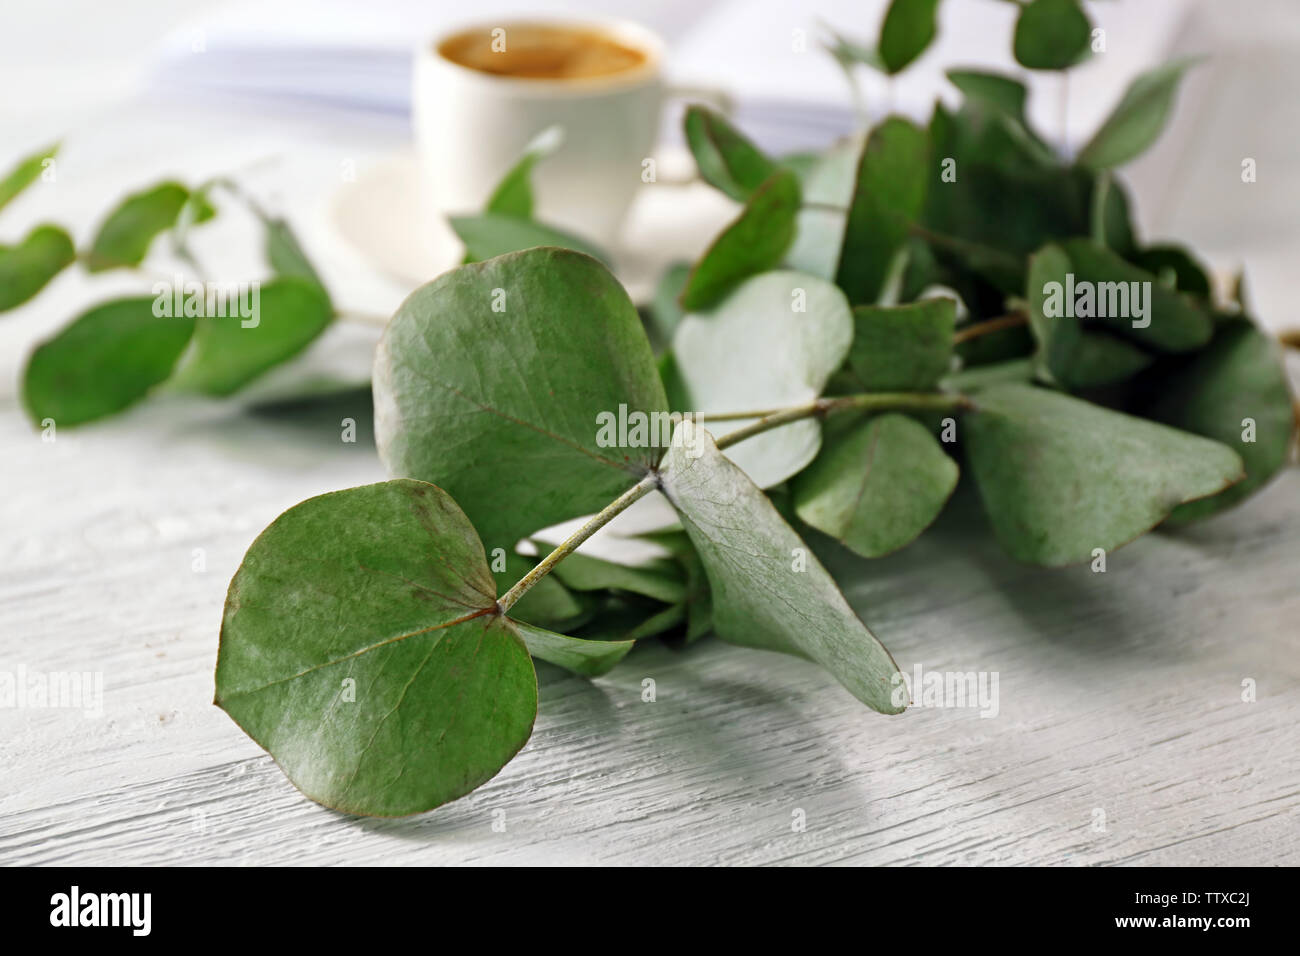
<point>542,52</point>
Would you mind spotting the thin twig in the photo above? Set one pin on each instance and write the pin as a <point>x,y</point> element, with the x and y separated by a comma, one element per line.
<point>1008,321</point>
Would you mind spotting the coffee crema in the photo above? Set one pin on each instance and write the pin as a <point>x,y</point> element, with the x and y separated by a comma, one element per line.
<point>541,52</point>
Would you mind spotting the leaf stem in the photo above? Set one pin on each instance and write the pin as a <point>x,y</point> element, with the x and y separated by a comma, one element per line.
<point>821,407</point>
<point>767,420</point>
<point>1008,321</point>
<point>570,544</point>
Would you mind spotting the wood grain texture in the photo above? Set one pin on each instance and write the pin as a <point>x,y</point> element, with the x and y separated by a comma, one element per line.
<point>1119,691</point>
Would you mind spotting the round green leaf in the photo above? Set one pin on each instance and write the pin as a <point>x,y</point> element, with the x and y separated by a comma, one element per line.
<point>717,356</point>
<point>908,28</point>
<point>361,647</point>
<point>1061,477</point>
<point>1051,34</point>
<point>877,484</point>
<point>105,360</point>
<point>904,348</point>
<point>492,380</point>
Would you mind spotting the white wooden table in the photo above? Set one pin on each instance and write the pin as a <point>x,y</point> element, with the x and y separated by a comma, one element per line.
<point>1121,735</point>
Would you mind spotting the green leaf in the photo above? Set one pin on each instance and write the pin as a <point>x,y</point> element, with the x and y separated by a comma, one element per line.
<point>819,226</point>
<point>361,648</point>
<point>125,236</point>
<point>26,268</point>
<point>908,28</point>
<point>755,242</point>
<point>492,380</point>
<point>489,235</point>
<point>1003,94</point>
<point>727,160</point>
<point>1069,355</point>
<point>904,348</point>
<point>663,580</point>
<point>513,196</point>
<point>1238,376</point>
<point>586,658</point>
<point>1061,477</point>
<point>1051,35</point>
<point>888,197</point>
<point>665,309</point>
<point>285,253</point>
<point>760,327</point>
<point>1175,324</point>
<point>1170,261</point>
<point>769,590</point>
<point>877,484</point>
<point>105,360</point>
<point>548,604</point>
<point>1112,224</point>
<point>25,172</point>
<point>287,314</point>
<point>1139,118</point>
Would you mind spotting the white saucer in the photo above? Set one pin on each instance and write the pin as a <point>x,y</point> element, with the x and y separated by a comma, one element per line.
<point>378,215</point>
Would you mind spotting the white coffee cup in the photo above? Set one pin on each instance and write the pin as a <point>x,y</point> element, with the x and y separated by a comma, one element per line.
<point>471,127</point>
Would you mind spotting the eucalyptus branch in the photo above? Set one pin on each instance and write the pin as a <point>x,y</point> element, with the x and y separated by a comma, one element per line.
<point>1008,321</point>
<point>570,544</point>
<point>767,420</point>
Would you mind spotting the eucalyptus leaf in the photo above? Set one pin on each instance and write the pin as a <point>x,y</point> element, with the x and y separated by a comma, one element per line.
<point>819,226</point>
<point>1112,224</point>
<point>361,648</point>
<point>663,580</point>
<point>1061,477</point>
<point>1174,323</point>
<point>27,267</point>
<point>1138,119</point>
<point>125,236</point>
<point>548,604</point>
<point>1235,391</point>
<point>1004,94</point>
<point>231,350</point>
<point>903,348</point>
<point>1187,273</point>
<point>105,360</point>
<point>665,310</point>
<point>25,172</point>
<point>1068,354</point>
<point>726,159</point>
<point>285,253</point>
<point>1051,34</point>
<point>797,329</point>
<point>877,484</point>
<point>850,53</point>
<point>889,194</point>
<point>908,28</point>
<point>755,242</point>
<point>492,381</point>
<point>513,196</point>
<point>489,235</point>
<point>769,590</point>
<point>586,658</point>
